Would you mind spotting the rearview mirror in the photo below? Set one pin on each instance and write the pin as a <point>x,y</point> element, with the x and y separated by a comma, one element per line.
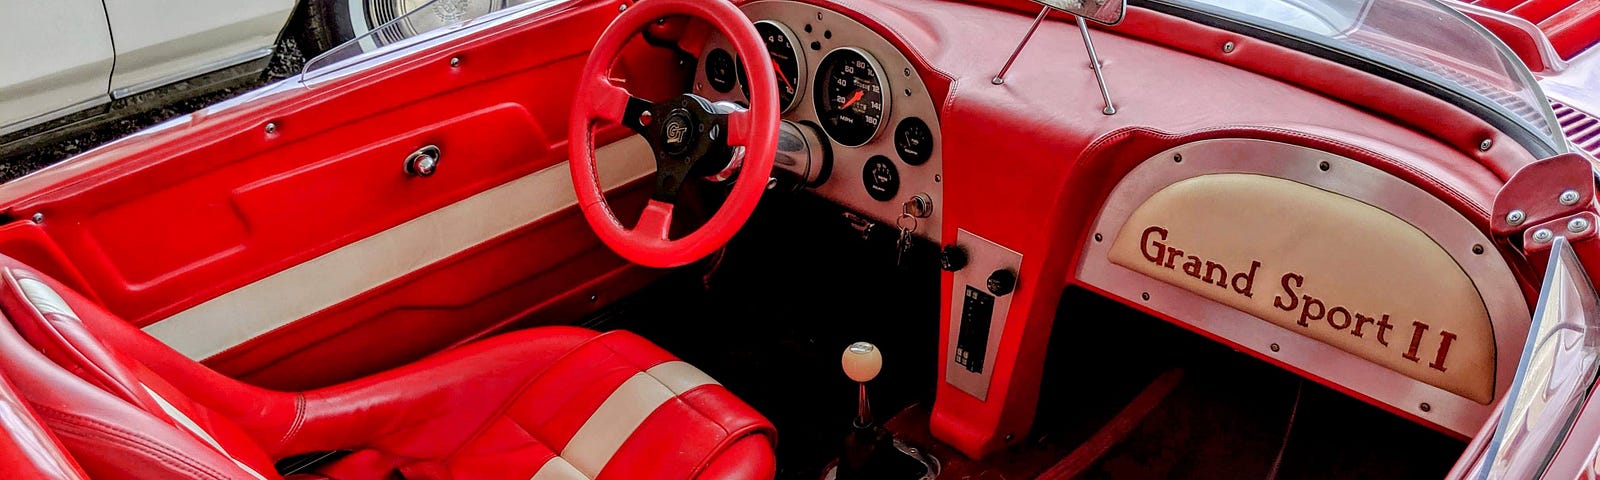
<point>1108,12</point>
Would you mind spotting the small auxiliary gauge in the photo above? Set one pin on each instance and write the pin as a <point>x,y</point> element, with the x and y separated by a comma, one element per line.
<point>720,70</point>
<point>913,141</point>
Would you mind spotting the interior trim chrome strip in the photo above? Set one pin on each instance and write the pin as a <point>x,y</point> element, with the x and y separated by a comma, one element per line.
<point>1507,307</point>
<point>299,291</point>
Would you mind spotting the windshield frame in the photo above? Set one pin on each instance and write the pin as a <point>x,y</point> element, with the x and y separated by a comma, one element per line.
<point>1540,144</point>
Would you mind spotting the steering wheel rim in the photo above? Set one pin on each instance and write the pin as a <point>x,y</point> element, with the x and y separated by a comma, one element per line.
<point>756,129</point>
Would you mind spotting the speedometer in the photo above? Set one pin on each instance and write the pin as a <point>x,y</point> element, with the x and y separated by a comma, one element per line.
<point>850,100</point>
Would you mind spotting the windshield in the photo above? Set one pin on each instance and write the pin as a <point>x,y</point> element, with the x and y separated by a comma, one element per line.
<point>1422,42</point>
<point>429,20</point>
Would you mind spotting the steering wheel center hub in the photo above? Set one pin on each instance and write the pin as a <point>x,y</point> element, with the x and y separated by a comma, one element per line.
<point>678,133</point>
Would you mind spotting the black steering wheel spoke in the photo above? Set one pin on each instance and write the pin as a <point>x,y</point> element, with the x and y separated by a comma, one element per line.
<point>638,114</point>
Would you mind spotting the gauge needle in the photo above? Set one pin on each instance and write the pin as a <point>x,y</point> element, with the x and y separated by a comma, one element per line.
<point>781,76</point>
<point>853,99</point>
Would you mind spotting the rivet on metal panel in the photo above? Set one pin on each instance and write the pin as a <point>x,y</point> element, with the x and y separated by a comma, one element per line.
<point>1484,145</point>
<point>1578,225</point>
<point>38,218</point>
<point>1227,47</point>
<point>1516,217</point>
<point>1569,198</point>
<point>455,62</point>
<point>1425,407</point>
<point>1543,235</point>
<point>271,128</point>
<point>1274,347</point>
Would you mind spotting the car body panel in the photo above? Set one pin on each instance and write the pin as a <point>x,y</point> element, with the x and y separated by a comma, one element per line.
<point>57,59</point>
<point>162,41</point>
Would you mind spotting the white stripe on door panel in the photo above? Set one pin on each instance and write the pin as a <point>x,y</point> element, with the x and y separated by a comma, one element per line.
<point>299,291</point>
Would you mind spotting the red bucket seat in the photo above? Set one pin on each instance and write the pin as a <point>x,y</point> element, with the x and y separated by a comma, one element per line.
<point>552,403</point>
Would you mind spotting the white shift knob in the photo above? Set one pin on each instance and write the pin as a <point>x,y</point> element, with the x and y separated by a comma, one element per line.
<point>862,361</point>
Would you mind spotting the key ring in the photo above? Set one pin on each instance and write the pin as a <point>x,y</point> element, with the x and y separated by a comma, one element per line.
<point>903,228</point>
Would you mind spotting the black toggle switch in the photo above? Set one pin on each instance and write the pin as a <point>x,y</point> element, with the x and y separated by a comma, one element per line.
<point>1002,282</point>
<point>952,258</point>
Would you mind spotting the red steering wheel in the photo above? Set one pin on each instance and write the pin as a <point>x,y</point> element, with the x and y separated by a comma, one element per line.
<point>691,137</point>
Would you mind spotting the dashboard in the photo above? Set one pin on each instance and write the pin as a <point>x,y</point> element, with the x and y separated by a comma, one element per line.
<point>849,89</point>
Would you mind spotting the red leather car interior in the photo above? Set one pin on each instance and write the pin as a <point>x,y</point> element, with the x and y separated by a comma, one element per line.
<point>557,402</point>
<point>229,205</point>
<point>31,449</point>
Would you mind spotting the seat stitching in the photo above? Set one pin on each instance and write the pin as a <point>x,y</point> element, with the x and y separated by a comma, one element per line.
<point>510,400</point>
<point>299,421</point>
<point>145,444</point>
<point>706,459</point>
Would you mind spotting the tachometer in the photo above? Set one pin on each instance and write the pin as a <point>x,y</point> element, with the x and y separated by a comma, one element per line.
<point>850,100</point>
<point>784,59</point>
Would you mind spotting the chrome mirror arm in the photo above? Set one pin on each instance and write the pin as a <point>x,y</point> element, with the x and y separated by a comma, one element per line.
<point>1094,63</point>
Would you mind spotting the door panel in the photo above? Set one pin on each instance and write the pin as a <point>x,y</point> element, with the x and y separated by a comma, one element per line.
<point>277,253</point>
<point>56,55</point>
<point>161,41</point>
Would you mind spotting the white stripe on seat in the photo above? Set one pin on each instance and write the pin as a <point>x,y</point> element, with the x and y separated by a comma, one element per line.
<point>679,376</point>
<point>197,431</point>
<point>44,298</point>
<point>558,469</point>
<point>622,413</point>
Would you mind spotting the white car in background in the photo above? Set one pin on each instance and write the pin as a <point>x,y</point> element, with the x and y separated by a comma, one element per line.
<point>67,66</point>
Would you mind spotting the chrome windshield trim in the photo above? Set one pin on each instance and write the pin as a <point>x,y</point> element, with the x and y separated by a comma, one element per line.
<point>1540,144</point>
<point>316,72</point>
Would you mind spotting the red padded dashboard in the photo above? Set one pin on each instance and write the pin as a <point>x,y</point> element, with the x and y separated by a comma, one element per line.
<point>1172,81</point>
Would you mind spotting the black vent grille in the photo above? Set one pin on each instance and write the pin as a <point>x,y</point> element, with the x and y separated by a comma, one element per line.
<point>1582,129</point>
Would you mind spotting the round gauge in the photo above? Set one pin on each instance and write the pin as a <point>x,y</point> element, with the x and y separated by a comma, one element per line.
<point>881,178</point>
<point>785,61</point>
<point>850,100</point>
<point>913,140</point>
<point>720,70</point>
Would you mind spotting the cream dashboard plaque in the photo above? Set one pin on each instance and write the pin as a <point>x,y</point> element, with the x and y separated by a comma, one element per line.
<point>1321,264</point>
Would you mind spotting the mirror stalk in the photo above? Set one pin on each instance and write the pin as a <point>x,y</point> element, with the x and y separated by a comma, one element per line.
<point>1094,63</point>
<point>1000,78</point>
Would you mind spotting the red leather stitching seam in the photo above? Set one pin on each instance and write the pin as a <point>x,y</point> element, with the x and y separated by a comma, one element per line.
<point>729,437</point>
<point>511,399</point>
<point>72,425</point>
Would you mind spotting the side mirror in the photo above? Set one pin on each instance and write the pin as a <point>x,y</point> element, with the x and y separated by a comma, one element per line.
<point>1108,12</point>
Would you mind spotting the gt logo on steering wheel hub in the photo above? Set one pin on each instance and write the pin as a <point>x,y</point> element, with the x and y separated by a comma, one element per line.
<point>677,131</point>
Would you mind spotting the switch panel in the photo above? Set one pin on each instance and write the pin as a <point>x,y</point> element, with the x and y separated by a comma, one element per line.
<point>978,311</point>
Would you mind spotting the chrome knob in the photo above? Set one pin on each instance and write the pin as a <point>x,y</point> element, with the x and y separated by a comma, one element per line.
<point>423,162</point>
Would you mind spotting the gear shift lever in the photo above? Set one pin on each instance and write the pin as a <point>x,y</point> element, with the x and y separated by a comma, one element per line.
<point>871,452</point>
<point>862,361</point>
